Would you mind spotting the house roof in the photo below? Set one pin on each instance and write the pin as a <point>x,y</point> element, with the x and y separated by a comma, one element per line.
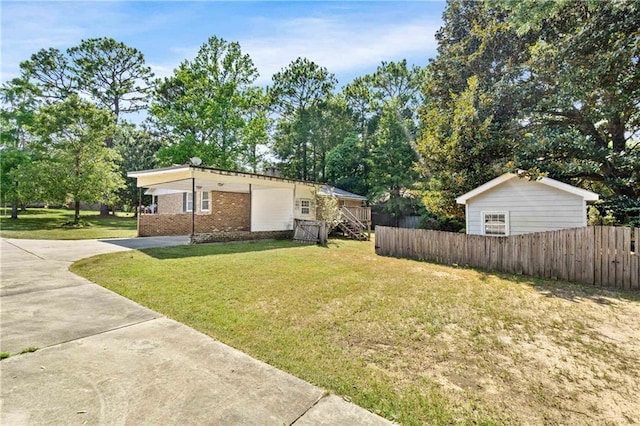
<point>328,190</point>
<point>586,195</point>
<point>183,177</point>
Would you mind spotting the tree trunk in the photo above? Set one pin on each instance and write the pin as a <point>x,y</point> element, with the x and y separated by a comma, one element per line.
<point>76,215</point>
<point>14,209</point>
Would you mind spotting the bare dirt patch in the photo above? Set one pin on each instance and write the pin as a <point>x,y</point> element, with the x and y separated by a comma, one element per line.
<point>536,356</point>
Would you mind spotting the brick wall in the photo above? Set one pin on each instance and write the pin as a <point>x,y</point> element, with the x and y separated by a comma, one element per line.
<point>229,211</point>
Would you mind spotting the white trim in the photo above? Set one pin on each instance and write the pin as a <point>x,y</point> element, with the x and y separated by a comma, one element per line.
<point>186,202</point>
<point>506,222</point>
<point>484,187</point>
<point>305,200</point>
<point>466,218</point>
<point>202,200</point>
<point>586,195</point>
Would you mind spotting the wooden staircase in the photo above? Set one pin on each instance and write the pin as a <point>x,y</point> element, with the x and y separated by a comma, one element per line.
<point>351,226</point>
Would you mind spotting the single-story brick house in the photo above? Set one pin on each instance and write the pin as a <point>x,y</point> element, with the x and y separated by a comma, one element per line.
<point>511,204</point>
<point>231,205</point>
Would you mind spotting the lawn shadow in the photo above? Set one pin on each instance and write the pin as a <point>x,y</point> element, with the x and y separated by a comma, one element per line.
<point>186,251</point>
<point>140,243</point>
<point>31,224</point>
<point>570,291</point>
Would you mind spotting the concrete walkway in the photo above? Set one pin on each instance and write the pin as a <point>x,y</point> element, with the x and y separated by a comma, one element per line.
<point>103,359</point>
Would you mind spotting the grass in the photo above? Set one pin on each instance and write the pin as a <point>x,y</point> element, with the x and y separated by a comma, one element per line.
<point>49,224</point>
<point>415,342</point>
<point>30,349</point>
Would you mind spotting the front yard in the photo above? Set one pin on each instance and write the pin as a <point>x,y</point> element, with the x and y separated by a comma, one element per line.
<point>415,342</point>
<point>53,224</point>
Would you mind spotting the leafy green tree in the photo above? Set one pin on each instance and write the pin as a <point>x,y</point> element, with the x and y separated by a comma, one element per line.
<point>51,72</point>
<point>255,134</point>
<point>113,74</point>
<point>330,125</point>
<point>396,95</point>
<point>346,166</point>
<point>109,73</point>
<point>556,92</point>
<point>137,148</point>
<point>296,94</point>
<point>393,171</point>
<point>459,148</point>
<point>16,115</point>
<point>203,106</point>
<point>364,107</point>
<point>77,164</point>
<point>471,104</point>
<point>581,115</point>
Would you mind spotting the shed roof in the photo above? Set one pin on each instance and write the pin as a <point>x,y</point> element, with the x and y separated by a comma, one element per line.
<point>586,195</point>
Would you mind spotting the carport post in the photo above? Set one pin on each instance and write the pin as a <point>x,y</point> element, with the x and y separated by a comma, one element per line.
<point>139,210</point>
<point>193,208</point>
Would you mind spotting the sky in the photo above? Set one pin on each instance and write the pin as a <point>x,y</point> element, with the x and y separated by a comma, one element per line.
<point>350,39</point>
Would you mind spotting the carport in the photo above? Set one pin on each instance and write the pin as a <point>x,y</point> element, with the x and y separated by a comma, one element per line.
<point>270,203</point>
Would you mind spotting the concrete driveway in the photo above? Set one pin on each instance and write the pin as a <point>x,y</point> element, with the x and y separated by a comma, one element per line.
<point>103,359</point>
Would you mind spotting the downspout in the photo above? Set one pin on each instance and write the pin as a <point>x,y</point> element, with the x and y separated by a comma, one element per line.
<point>193,208</point>
<point>139,211</point>
<point>250,209</point>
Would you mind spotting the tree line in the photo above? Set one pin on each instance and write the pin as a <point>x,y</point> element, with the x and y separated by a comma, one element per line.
<point>551,88</point>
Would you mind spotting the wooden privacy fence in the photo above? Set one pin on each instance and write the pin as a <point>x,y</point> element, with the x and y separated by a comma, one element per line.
<point>596,255</point>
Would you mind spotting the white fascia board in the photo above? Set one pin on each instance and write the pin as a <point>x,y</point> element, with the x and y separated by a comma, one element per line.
<point>485,187</point>
<point>157,172</point>
<point>586,195</point>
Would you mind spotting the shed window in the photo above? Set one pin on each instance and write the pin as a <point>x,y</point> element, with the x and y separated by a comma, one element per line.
<point>495,223</point>
<point>305,206</point>
<point>204,202</point>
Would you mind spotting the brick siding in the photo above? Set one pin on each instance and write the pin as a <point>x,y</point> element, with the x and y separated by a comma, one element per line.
<point>229,211</point>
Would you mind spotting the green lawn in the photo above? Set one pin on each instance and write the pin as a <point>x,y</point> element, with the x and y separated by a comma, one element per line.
<point>48,224</point>
<point>415,342</point>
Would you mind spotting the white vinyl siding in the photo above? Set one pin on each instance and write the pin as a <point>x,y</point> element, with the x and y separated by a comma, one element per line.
<point>532,207</point>
<point>272,209</point>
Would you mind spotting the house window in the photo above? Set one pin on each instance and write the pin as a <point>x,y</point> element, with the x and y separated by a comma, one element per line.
<point>305,206</point>
<point>495,223</point>
<point>204,202</point>
<point>187,202</point>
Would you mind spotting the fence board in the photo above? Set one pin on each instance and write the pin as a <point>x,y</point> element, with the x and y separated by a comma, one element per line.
<point>597,253</point>
<point>604,256</point>
<point>588,259</point>
<point>635,261</point>
<point>625,247</point>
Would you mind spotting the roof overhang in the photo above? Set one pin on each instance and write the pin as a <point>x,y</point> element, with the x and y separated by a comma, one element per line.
<point>341,194</point>
<point>583,193</point>
<point>184,178</point>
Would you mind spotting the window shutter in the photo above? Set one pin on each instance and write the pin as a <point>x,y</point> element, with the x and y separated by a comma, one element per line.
<point>184,202</point>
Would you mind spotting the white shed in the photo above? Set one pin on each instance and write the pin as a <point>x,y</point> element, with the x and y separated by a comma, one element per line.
<point>512,205</point>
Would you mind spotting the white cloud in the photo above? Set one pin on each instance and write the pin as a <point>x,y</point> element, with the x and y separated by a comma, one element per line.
<point>340,46</point>
<point>348,40</point>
